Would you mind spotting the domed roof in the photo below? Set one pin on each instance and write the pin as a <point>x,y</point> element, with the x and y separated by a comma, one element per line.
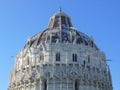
<point>60,18</point>
<point>60,30</point>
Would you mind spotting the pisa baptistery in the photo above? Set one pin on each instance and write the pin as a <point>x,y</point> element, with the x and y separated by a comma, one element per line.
<point>60,58</point>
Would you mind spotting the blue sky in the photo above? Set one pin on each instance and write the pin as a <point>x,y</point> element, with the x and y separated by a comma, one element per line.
<point>20,19</point>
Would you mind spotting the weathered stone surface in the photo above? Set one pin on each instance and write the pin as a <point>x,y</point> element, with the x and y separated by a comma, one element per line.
<point>61,63</point>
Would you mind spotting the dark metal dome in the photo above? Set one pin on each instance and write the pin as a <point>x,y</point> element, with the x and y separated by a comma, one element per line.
<point>60,30</point>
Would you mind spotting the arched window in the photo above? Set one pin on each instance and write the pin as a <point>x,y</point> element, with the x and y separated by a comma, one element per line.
<point>92,44</point>
<point>74,57</point>
<point>57,56</point>
<point>76,85</point>
<point>45,85</point>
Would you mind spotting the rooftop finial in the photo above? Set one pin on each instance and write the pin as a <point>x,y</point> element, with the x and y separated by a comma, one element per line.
<point>60,9</point>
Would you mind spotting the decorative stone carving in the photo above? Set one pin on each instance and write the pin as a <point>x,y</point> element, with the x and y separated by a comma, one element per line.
<point>38,68</point>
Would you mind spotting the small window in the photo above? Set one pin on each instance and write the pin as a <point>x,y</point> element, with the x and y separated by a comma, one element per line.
<point>57,56</point>
<point>76,85</point>
<point>74,57</point>
<point>84,63</point>
<point>92,44</point>
<point>41,57</point>
<point>88,58</point>
<point>45,85</point>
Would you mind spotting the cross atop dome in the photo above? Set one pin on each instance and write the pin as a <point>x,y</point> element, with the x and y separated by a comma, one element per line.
<point>60,9</point>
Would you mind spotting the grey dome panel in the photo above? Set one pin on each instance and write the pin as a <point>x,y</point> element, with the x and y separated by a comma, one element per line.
<point>60,30</point>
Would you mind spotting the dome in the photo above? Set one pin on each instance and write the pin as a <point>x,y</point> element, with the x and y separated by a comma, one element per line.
<point>60,58</point>
<point>61,30</point>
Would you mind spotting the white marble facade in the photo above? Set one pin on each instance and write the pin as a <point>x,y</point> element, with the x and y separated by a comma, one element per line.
<point>64,64</point>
